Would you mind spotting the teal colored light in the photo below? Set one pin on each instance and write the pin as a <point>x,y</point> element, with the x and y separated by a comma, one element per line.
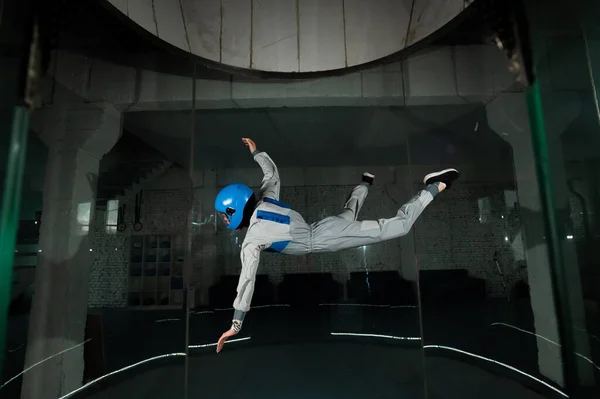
<point>9,213</point>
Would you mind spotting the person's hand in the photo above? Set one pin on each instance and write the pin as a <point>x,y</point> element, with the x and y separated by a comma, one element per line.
<point>251,145</point>
<point>226,334</point>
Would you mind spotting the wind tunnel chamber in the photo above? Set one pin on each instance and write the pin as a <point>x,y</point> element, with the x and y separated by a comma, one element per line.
<point>124,276</point>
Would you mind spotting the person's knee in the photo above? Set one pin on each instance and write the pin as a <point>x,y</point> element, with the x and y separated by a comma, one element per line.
<point>362,188</point>
<point>394,228</point>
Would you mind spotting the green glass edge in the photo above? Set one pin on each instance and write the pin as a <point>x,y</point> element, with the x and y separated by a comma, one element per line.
<point>557,266</point>
<point>9,214</point>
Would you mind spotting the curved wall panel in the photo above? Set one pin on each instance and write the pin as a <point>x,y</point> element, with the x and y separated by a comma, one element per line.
<point>291,35</point>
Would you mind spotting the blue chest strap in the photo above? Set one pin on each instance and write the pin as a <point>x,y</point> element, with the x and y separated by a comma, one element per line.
<point>277,246</point>
<point>275,202</point>
<point>273,217</point>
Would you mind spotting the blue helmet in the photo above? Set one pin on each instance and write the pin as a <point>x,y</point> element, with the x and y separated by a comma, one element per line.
<point>231,202</point>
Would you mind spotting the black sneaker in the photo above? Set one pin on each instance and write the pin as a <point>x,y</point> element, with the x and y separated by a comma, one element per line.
<point>446,176</point>
<point>368,178</point>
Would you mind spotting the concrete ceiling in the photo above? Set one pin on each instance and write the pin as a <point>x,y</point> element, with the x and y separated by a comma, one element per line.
<point>324,136</point>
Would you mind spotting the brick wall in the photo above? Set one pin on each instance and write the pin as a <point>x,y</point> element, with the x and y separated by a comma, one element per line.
<point>453,235</point>
<point>448,235</point>
<point>164,211</point>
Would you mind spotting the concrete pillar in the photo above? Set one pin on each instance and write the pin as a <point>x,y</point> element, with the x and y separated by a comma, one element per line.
<point>78,136</point>
<point>508,117</point>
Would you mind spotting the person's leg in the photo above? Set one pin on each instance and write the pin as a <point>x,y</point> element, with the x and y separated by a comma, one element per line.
<point>334,236</point>
<point>357,197</point>
<point>408,214</point>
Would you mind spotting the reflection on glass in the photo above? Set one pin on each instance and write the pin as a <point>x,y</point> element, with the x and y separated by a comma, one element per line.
<point>83,217</point>
<point>112,216</point>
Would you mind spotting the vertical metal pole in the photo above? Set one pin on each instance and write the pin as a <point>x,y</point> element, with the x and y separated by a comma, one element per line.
<point>419,308</point>
<point>188,241</point>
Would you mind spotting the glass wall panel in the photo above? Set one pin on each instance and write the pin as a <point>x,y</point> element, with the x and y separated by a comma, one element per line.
<point>342,320</point>
<point>471,248</point>
<point>565,54</point>
<point>15,33</point>
<point>23,157</point>
<point>96,308</point>
<point>127,258</point>
<point>486,286</point>
<point>493,304</point>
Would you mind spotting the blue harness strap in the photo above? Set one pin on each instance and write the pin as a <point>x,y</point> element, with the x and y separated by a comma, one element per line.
<point>277,246</point>
<point>275,202</point>
<point>273,217</point>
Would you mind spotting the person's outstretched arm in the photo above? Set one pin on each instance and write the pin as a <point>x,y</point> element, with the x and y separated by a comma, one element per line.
<point>250,258</point>
<point>270,185</point>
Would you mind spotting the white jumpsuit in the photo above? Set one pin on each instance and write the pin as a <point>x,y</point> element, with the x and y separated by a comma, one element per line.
<point>275,227</point>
